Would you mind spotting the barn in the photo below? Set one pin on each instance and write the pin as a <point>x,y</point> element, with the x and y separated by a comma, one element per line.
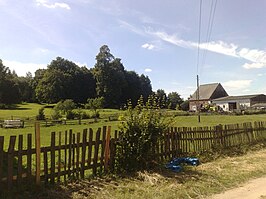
<point>207,93</point>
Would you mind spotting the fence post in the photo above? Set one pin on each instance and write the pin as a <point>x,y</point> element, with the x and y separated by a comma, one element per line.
<point>107,149</point>
<point>38,153</point>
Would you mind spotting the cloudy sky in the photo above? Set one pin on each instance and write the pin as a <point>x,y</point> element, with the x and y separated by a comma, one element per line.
<point>156,37</point>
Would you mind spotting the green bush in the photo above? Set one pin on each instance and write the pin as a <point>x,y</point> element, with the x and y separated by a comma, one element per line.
<point>55,115</point>
<point>85,115</point>
<point>70,115</point>
<point>41,115</point>
<point>142,129</point>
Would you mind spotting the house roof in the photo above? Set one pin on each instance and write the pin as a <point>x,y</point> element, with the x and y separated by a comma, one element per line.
<point>205,91</point>
<point>242,97</point>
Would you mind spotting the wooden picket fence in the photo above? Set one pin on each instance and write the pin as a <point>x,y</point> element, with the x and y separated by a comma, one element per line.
<point>69,156</point>
<point>75,155</point>
<point>186,140</point>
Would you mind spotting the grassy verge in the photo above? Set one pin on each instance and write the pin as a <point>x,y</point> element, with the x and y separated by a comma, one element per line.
<point>194,182</point>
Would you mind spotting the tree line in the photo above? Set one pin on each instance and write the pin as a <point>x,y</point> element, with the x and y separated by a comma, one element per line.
<point>63,79</point>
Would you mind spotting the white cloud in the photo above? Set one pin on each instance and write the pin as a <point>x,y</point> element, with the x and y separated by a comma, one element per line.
<point>47,4</point>
<point>22,68</point>
<point>254,55</point>
<point>148,46</point>
<point>173,39</point>
<point>236,84</point>
<point>130,27</point>
<point>220,47</point>
<point>148,70</point>
<point>257,57</point>
<point>254,65</point>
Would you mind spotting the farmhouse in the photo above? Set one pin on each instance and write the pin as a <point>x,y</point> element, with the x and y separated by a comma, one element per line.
<point>244,102</point>
<point>207,93</point>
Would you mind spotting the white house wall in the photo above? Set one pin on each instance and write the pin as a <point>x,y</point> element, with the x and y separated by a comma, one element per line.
<point>240,104</point>
<point>223,105</point>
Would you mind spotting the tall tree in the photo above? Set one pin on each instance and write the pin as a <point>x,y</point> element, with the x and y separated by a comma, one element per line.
<point>109,74</point>
<point>9,92</point>
<point>162,99</point>
<point>146,88</point>
<point>175,100</point>
<point>25,88</point>
<point>132,91</point>
<point>65,80</point>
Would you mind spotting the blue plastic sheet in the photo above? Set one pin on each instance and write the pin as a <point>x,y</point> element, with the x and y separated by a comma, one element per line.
<point>176,164</point>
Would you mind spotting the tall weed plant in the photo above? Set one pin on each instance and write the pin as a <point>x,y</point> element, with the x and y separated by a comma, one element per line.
<point>141,131</point>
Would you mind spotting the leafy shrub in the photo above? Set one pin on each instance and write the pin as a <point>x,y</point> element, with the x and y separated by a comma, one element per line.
<point>41,115</point>
<point>70,115</point>
<point>142,129</point>
<point>96,115</point>
<point>85,115</point>
<point>55,115</point>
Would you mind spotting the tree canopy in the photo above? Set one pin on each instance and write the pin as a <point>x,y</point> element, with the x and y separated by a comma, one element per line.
<point>64,79</point>
<point>9,90</point>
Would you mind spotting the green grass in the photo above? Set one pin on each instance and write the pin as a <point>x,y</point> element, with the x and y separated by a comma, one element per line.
<point>212,120</point>
<point>28,111</point>
<point>22,111</point>
<point>46,131</point>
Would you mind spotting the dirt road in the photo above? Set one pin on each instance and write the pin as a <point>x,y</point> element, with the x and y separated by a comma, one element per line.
<point>254,189</point>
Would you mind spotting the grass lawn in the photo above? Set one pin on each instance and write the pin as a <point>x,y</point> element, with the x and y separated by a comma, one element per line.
<point>193,182</point>
<point>212,120</point>
<point>28,111</point>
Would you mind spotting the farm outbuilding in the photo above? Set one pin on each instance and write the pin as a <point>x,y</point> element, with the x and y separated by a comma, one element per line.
<point>207,93</point>
<point>243,102</point>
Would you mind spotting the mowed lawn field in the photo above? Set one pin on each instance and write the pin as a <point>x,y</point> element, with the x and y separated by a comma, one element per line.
<point>28,111</point>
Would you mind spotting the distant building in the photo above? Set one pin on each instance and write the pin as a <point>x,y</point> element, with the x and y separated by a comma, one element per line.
<point>244,102</point>
<point>207,93</point>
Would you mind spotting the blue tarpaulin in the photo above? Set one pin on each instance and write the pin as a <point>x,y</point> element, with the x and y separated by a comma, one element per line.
<point>176,164</point>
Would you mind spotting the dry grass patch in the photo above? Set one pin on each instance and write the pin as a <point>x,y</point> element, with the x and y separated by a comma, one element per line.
<point>194,182</point>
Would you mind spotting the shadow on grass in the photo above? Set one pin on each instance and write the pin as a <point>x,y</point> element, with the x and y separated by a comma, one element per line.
<point>12,107</point>
<point>86,188</point>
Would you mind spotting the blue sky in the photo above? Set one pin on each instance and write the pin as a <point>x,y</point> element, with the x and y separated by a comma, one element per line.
<point>158,38</point>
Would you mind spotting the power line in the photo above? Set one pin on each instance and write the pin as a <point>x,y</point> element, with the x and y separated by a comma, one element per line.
<point>209,30</point>
<point>199,37</point>
<point>198,93</point>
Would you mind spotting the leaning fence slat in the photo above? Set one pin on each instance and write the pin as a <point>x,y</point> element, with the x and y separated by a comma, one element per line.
<point>53,158</point>
<point>90,147</point>
<point>96,151</point>
<point>38,153</point>
<point>73,154</point>
<point>1,159</point>
<point>45,165</point>
<point>20,148</point>
<point>112,153</point>
<point>69,153</point>
<point>83,153</point>
<point>29,157</point>
<point>65,155</point>
<point>59,164</point>
<point>78,155</point>
<point>10,162</point>
<point>103,148</point>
